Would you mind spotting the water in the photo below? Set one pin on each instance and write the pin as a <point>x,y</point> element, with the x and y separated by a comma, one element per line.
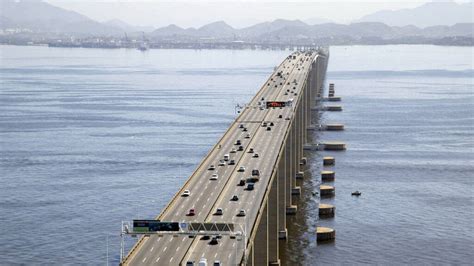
<point>91,137</point>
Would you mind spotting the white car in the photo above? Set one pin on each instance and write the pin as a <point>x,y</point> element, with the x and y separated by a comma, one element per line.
<point>233,150</point>
<point>186,193</point>
<point>241,213</point>
<point>211,167</point>
<point>214,177</point>
<point>221,163</point>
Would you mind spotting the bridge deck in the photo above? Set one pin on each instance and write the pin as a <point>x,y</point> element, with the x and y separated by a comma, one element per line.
<point>207,195</point>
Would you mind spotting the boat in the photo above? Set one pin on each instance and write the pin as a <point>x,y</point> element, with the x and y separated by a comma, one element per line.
<point>356,193</point>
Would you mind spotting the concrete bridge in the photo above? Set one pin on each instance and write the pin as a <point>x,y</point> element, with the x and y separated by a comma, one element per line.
<point>226,190</point>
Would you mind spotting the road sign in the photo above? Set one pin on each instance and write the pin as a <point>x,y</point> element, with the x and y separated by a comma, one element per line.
<point>154,226</point>
<point>275,104</point>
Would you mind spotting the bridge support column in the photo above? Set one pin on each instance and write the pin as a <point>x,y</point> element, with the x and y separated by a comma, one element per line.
<point>281,175</point>
<point>295,190</point>
<point>273,226</point>
<point>289,171</point>
<point>261,240</point>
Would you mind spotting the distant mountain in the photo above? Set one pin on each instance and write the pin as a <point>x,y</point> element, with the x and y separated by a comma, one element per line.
<point>267,27</point>
<point>116,23</point>
<point>218,29</point>
<point>429,14</point>
<point>39,16</point>
<point>315,21</point>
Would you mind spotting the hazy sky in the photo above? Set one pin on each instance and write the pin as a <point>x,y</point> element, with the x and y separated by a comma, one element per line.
<point>237,13</point>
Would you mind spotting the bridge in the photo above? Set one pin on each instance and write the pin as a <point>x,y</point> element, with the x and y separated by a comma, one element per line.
<point>232,210</point>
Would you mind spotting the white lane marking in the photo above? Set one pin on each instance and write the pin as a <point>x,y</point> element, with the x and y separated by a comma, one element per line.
<point>152,248</point>
<point>158,240</point>
<point>229,255</point>
<point>144,259</point>
<point>171,239</point>
<point>233,244</point>
<point>183,239</point>
<point>157,259</point>
<point>171,259</point>
<point>178,248</point>
<point>165,248</point>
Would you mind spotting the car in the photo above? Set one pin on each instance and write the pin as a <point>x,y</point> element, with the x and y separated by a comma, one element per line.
<point>241,148</point>
<point>255,172</point>
<point>245,129</point>
<point>241,169</point>
<point>190,263</point>
<point>250,186</point>
<point>234,198</point>
<point>219,211</point>
<point>241,126</point>
<point>214,176</point>
<point>296,93</point>
<point>241,182</point>
<point>206,237</point>
<point>203,262</point>
<point>233,150</point>
<point>255,155</point>
<point>287,118</point>
<point>226,157</point>
<point>213,241</point>
<point>263,99</point>
<point>252,179</point>
<point>250,150</point>
<point>221,162</point>
<point>271,124</point>
<point>231,162</point>
<point>211,167</point>
<point>217,263</point>
<point>238,142</point>
<point>241,213</point>
<point>264,124</point>
<point>247,136</point>
<point>286,93</point>
<point>191,212</point>
<point>186,193</point>
<point>280,116</point>
<point>269,128</point>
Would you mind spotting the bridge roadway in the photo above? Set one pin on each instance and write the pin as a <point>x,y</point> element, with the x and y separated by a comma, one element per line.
<point>206,195</point>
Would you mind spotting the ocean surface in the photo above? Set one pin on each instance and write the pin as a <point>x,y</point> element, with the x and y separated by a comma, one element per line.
<point>91,137</point>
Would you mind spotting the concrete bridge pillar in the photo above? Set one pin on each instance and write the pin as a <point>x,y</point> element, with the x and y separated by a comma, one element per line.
<point>273,219</point>
<point>289,172</point>
<point>261,240</point>
<point>295,190</point>
<point>282,196</point>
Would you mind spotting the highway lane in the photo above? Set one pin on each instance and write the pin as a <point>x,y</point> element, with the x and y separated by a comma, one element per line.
<point>166,244</point>
<point>246,199</point>
<point>250,163</point>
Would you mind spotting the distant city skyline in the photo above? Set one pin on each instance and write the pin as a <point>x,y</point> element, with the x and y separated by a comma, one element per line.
<point>238,14</point>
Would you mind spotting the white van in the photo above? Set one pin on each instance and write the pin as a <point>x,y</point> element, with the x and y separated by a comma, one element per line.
<point>226,157</point>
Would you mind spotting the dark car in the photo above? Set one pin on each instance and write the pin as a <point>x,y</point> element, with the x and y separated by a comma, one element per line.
<point>231,162</point>
<point>213,241</point>
<point>241,148</point>
<point>238,142</point>
<point>234,198</point>
<point>250,186</point>
<point>269,128</point>
<point>241,182</point>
